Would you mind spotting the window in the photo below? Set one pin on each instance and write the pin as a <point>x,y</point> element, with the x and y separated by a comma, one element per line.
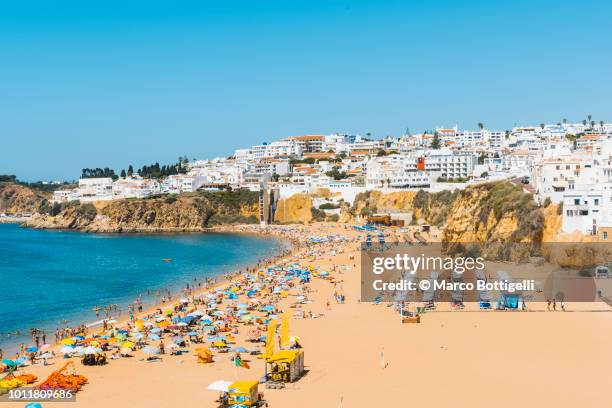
<point>596,201</point>
<point>605,235</point>
<point>576,201</point>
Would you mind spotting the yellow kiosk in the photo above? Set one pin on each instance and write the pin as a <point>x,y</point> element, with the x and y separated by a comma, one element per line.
<point>243,394</point>
<point>285,366</point>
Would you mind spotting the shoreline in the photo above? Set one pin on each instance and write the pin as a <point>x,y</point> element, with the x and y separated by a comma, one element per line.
<point>283,244</point>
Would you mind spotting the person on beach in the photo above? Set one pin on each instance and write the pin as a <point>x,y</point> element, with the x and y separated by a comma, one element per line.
<point>554,305</point>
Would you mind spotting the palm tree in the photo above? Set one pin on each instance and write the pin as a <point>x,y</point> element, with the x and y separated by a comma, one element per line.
<point>589,116</point>
<point>584,122</point>
<point>542,125</point>
<point>565,121</point>
<point>480,125</point>
<point>601,124</point>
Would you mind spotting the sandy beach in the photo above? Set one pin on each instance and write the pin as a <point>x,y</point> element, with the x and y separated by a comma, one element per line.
<point>360,355</point>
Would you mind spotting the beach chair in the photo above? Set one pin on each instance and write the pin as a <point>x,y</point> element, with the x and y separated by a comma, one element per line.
<point>484,296</point>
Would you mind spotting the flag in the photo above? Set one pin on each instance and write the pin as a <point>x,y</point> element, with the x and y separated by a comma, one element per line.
<point>284,331</point>
<point>270,338</point>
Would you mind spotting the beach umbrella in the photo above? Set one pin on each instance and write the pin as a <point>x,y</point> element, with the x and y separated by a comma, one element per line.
<point>137,336</point>
<point>79,338</point>
<point>242,306</point>
<point>125,350</point>
<point>192,333</point>
<point>31,350</point>
<point>209,328</point>
<point>181,324</point>
<point>239,350</point>
<point>156,330</point>
<point>67,349</point>
<point>67,342</point>
<point>269,308</point>
<point>45,356</point>
<point>78,349</point>
<point>45,347</point>
<point>127,344</point>
<point>196,313</point>
<point>9,363</point>
<point>220,386</point>
<point>153,336</point>
<point>151,350</point>
<point>92,350</point>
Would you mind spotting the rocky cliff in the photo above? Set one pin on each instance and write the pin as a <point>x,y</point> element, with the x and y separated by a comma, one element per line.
<point>187,212</point>
<point>16,199</point>
<point>295,209</point>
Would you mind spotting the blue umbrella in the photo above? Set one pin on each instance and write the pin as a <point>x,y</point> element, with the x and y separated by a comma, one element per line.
<point>239,350</point>
<point>268,308</point>
<point>153,337</point>
<point>192,333</point>
<point>155,330</point>
<point>10,363</point>
<point>31,349</point>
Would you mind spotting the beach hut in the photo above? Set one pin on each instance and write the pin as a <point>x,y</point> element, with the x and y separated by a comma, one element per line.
<point>242,394</point>
<point>285,366</point>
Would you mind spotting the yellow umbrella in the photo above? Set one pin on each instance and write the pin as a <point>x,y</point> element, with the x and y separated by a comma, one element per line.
<point>219,344</point>
<point>163,323</point>
<point>67,342</point>
<point>127,344</point>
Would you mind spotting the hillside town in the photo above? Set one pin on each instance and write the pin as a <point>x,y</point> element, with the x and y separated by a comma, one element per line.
<point>567,163</point>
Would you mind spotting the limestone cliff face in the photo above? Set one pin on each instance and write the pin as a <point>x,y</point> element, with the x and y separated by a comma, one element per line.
<point>493,212</point>
<point>191,212</point>
<point>295,209</point>
<point>15,198</point>
<point>372,202</point>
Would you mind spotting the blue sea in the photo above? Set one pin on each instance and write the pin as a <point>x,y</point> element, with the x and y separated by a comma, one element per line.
<point>48,276</point>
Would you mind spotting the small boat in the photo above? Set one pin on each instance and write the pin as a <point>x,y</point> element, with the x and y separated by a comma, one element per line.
<point>167,260</point>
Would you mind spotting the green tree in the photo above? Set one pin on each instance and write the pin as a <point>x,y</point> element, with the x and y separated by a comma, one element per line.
<point>435,142</point>
<point>123,173</point>
<point>480,125</point>
<point>130,171</point>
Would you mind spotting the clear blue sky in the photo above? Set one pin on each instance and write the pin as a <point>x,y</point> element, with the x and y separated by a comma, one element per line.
<point>109,85</point>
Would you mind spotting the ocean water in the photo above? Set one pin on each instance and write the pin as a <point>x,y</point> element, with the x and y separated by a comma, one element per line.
<point>47,277</point>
